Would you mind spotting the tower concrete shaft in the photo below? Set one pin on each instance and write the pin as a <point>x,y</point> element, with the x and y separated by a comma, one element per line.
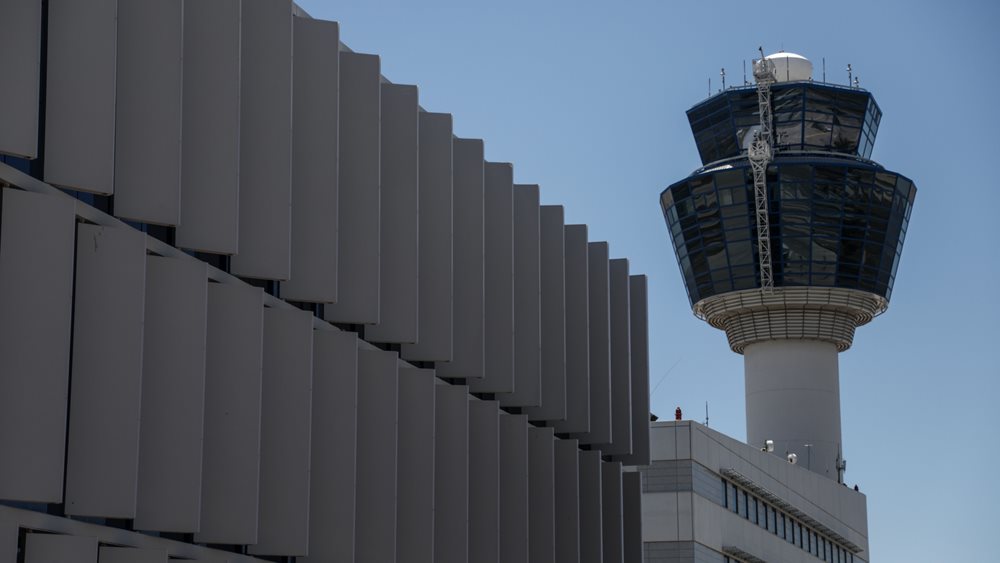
<point>793,398</point>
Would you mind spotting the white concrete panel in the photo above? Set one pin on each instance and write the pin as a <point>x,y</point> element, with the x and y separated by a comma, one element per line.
<point>484,482</point>
<point>37,235</point>
<point>265,140</point>
<point>659,517</point>
<point>567,501</point>
<point>80,95</point>
<point>334,446</point>
<point>57,548</point>
<point>109,554</point>
<point>435,325</point>
<point>451,474</point>
<point>105,382</point>
<point>358,192</point>
<point>541,495</point>
<point>685,517</point>
<point>577,333</point>
<point>499,279</point>
<point>171,424</point>
<point>632,515</point>
<point>599,311</point>
<point>375,525</point>
<point>527,305</point>
<point>469,312</point>
<point>591,511</point>
<point>663,443</point>
<point>415,483</point>
<point>553,315</point>
<point>621,362</point>
<point>400,230</point>
<point>639,350</point>
<point>148,111</point>
<point>314,162</point>
<point>683,442</point>
<point>210,147</point>
<point>21,33</point>
<point>513,488</point>
<point>285,436</point>
<point>231,459</point>
<point>611,506</point>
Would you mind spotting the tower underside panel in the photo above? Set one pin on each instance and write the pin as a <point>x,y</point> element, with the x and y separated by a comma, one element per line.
<point>793,398</point>
<point>828,314</point>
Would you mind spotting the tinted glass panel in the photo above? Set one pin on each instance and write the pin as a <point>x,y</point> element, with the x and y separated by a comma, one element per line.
<point>832,223</point>
<point>806,117</point>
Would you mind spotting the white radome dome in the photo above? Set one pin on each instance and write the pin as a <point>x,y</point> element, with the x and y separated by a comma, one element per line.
<point>790,67</point>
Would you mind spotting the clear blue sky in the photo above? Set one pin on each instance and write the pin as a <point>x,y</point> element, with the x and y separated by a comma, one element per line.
<point>587,99</point>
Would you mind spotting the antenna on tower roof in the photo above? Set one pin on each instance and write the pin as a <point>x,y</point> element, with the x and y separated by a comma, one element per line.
<point>850,74</point>
<point>824,69</point>
<point>745,83</point>
<point>723,74</point>
<point>706,413</point>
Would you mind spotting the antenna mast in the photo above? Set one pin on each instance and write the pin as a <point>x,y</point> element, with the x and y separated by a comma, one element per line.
<point>760,154</point>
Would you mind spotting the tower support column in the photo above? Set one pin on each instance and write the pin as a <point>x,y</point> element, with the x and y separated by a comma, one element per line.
<point>793,398</point>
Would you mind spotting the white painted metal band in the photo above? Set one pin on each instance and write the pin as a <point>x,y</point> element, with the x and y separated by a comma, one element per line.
<point>828,314</point>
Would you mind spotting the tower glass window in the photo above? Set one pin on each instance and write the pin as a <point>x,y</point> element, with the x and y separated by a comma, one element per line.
<point>833,223</point>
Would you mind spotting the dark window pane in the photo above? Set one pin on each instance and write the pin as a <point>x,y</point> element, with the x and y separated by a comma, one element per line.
<point>739,252</point>
<point>885,180</point>
<point>788,134</point>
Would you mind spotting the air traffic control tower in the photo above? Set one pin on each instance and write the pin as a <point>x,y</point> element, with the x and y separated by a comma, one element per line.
<point>788,238</point>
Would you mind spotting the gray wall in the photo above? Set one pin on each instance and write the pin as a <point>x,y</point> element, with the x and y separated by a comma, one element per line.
<point>415,489</point>
<point>314,225</point>
<point>210,136</point>
<point>37,235</point>
<point>380,348</point>
<point>265,140</point>
<point>399,256</point>
<point>20,32</point>
<point>171,423</point>
<point>358,191</point>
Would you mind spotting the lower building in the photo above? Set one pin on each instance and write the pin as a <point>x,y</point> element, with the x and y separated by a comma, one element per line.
<point>708,498</point>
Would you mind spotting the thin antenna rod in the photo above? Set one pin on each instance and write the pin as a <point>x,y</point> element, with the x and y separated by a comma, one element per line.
<point>706,413</point>
<point>850,72</point>
<point>824,69</point>
<point>658,383</point>
<point>709,86</point>
<point>745,72</point>
<point>723,73</point>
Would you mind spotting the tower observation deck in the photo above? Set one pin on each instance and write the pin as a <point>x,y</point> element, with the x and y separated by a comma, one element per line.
<point>788,238</point>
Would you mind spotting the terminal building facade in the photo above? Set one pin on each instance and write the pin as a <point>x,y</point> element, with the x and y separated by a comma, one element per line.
<point>788,238</point>
<point>257,304</point>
